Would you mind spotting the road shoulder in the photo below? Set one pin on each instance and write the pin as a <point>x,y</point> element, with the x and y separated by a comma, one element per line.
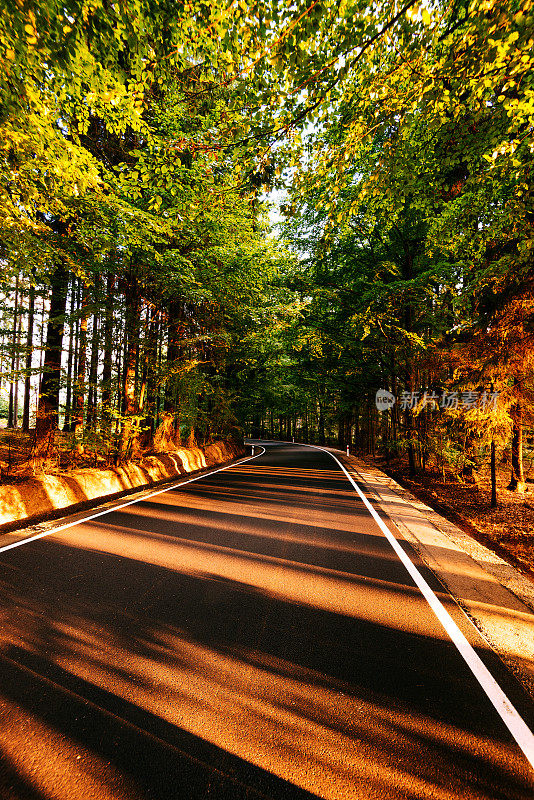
<point>497,598</point>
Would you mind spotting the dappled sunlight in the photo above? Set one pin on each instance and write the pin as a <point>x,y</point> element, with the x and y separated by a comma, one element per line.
<point>261,504</point>
<point>179,518</point>
<point>241,626</point>
<point>192,459</point>
<point>295,473</point>
<point>318,587</point>
<point>316,731</point>
<point>183,524</point>
<point>58,769</point>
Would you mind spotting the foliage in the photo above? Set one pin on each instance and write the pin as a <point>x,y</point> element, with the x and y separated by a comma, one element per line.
<point>136,144</point>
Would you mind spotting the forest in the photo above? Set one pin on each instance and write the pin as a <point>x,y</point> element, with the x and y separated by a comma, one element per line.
<point>148,301</point>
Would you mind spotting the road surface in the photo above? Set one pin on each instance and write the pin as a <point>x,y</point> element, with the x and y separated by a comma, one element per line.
<point>251,634</point>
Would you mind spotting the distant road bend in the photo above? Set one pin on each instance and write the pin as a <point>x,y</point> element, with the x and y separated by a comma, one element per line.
<point>248,634</point>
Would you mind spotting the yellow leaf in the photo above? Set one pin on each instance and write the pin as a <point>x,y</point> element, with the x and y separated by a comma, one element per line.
<point>425,16</point>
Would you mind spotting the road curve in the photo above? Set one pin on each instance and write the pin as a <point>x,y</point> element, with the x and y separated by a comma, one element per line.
<point>251,634</point>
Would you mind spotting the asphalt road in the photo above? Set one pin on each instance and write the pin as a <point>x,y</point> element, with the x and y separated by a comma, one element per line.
<point>250,635</point>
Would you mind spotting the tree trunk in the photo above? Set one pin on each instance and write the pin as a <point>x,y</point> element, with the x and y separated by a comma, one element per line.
<point>92,396</point>
<point>70,361</point>
<point>153,388</point>
<point>164,438</point>
<point>356,414</point>
<point>372,428</point>
<point>81,383</point>
<point>341,431</point>
<point>149,382</point>
<point>493,475</point>
<point>12,415</point>
<point>70,411</point>
<point>173,344</point>
<point>407,273</point>
<point>412,471</point>
<point>157,400</point>
<point>384,419</point>
<point>256,426</point>
<point>517,479</point>
<point>394,410</point>
<point>128,437</point>
<point>17,369</point>
<point>48,405</point>
<point>29,354</point>
<point>108,356</point>
<point>320,423</point>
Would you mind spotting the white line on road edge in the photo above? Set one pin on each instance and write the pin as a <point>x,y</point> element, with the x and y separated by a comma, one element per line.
<point>123,505</point>
<point>507,712</point>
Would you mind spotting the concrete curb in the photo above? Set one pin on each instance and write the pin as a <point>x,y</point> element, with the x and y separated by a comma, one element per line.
<point>497,598</point>
<point>51,496</point>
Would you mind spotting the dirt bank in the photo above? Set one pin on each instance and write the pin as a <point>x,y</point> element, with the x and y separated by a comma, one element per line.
<point>508,530</point>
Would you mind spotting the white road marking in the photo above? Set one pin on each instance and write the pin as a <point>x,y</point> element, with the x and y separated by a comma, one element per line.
<point>29,539</point>
<point>520,731</point>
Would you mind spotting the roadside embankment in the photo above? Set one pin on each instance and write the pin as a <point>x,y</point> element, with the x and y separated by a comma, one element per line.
<point>38,498</point>
<point>497,598</point>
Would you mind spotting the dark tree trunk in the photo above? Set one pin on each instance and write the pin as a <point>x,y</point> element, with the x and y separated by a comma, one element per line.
<point>81,384</point>
<point>357,436</point>
<point>17,371</point>
<point>12,416</point>
<point>70,361</point>
<point>108,355</point>
<point>411,454</point>
<point>341,431</point>
<point>92,393</point>
<point>394,411</point>
<point>157,403</point>
<point>256,426</point>
<point>29,354</point>
<point>128,437</point>
<point>70,412</point>
<point>517,480</point>
<point>153,375</point>
<point>48,407</point>
<point>92,397</point>
<point>173,352</point>
<point>493,475</point>
<point>166,436</point>
<point>387,434</point>
<point>322,435</point>
<point>409,369</point>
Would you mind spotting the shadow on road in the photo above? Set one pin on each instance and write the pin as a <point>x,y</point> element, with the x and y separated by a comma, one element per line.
<point>284,672</point>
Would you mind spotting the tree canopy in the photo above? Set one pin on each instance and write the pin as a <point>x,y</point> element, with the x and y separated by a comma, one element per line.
<point>146,299</point>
